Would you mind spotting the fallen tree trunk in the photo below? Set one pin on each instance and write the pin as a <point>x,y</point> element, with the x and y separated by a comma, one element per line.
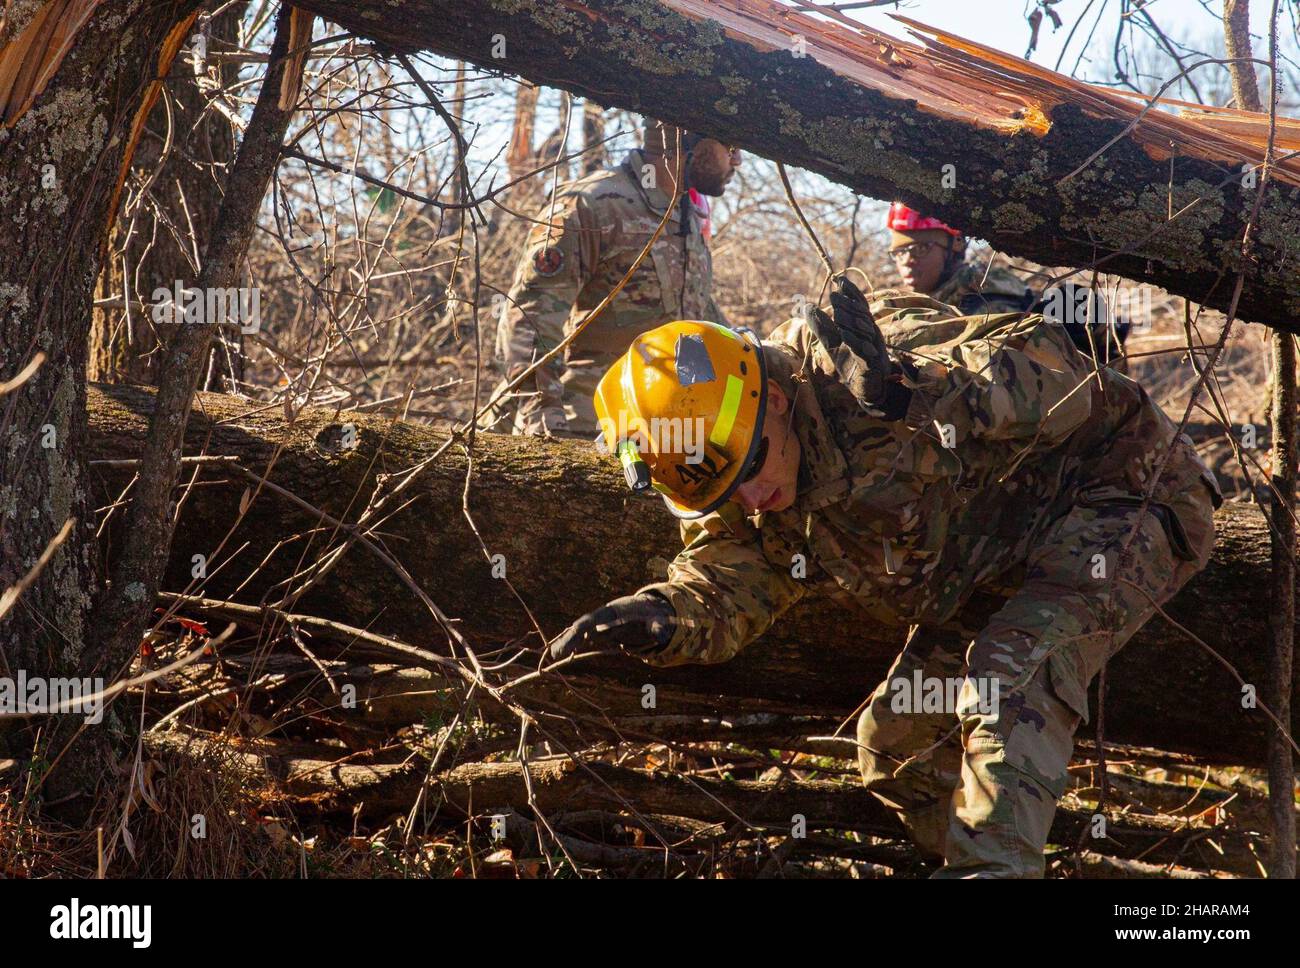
<point>571,536</point>
<point>318,779</point>
<point>984,140</point>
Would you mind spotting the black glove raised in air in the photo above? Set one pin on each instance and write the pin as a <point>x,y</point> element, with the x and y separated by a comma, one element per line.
<point>857,349</point>
<point>638,623</point>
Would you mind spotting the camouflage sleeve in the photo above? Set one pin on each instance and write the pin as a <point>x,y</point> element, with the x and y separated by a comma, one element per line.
<point>1005,292</point>
<point>725,593</point>
<point>552,270</point>
<point>1023,382</point>
<point>985,302</point>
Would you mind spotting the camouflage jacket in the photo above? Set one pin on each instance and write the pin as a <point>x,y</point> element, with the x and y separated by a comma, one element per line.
<point>576,255</point>
<point>1007,429</point>
<point>972,289</point>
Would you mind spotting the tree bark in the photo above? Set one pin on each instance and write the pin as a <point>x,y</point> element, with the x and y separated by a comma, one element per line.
<point>644,56</point>
<point>123,610</point>
<point>459,108</point>
<point>184,157</point>
<point>571,536</point>
<point>1281,769</point>
<point>58,166</point>
<point>1236,44</point>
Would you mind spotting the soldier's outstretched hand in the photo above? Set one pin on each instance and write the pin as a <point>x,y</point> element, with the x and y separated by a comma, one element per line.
<point>637,623</point>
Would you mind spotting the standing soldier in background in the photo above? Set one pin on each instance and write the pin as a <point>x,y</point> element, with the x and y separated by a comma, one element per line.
<point>931,258</point>
<point>580,249</point>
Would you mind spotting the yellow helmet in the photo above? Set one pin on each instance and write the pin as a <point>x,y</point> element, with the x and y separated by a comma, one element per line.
<point>682,409</point>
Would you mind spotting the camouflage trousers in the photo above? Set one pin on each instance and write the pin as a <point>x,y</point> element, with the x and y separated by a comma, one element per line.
<point>976,781</point>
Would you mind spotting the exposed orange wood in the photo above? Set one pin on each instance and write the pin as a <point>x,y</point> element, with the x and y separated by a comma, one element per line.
<point>893,67</point>
<point>1190,131</point>
<point>31,58</point>
<point>959,79</point>
<point>300,26</point>
<point>166,57</point>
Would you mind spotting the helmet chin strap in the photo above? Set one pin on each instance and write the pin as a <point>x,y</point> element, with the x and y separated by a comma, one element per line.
<point>951,259</point>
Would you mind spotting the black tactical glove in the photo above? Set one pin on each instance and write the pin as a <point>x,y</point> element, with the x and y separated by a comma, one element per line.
<point>857,349</point>
<point>638,623</point>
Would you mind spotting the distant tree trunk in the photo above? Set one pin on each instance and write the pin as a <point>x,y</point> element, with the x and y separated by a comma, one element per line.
<point>594,155</point>
<point>183,158</point>
<point>519,157</point>
<point>1236,42</point>
<point>1282,393</point>
<point>1281,766</point>
<point>59,164</point>
<point>555,147</point>
<point>458,186</point>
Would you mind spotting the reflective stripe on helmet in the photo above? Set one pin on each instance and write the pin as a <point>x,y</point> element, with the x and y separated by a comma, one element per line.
<point>727,412</point>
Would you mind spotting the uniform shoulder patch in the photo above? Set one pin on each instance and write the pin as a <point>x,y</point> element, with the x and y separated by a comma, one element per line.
<point>548,260</point>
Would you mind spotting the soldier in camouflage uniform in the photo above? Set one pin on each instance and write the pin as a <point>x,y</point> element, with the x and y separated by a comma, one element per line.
<point>931,257</point>
<point>974,288</point>
<point>577,254</point>
<point>987,465</point>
